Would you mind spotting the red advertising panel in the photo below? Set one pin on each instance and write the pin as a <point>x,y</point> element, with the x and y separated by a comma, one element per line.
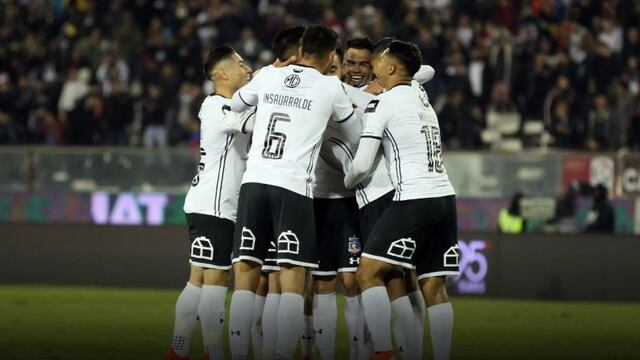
<point>593,170</point>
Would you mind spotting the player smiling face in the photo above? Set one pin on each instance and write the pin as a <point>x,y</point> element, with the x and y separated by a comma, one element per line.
<point>357,66</point>
<point>238,72</point>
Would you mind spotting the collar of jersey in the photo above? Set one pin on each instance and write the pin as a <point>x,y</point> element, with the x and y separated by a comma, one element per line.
<point>400,84</point>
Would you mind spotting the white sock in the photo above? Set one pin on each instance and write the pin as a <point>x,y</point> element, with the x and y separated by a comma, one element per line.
<point>404,327</point>
<point>377,312</point>
<point>240,319</point>
<point>419,307</point>
<point>290,324</point>
<point>186,318</point>
<point>352,314</point>
<point>211,311</point>
<point>441,328</point>
<point>365,343</point>
<point>270,326</point>
<point>256,327</point>
<point>325,318</point>
<point>307,339</point>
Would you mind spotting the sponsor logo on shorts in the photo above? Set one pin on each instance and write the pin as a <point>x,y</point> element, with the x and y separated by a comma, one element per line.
<point>354,246</point>
<point>247,239</point>
<point>288,243</point>
<point>451,257</point>
<point>402,248</point>
<point>201,248</point>
<point>272,247</point>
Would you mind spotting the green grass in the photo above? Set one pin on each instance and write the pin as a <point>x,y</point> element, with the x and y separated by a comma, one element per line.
<point>38,322</point>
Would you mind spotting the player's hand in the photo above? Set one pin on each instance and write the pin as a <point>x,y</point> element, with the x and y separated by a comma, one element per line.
<point>289,61</point>
<point>374,88</point>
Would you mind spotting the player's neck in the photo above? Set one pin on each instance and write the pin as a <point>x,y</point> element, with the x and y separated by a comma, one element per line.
<point>313,63</point>
<point>224,91</point>
<point>397,82</point>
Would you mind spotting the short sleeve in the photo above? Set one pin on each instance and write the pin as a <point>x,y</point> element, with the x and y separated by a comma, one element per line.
<point>247,96</point>
<point>358,97</point>
<point>375,121</point>
<point>342,107</point>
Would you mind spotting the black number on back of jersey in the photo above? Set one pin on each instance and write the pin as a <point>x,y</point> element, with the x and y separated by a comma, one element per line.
<point>434,148</point>
<point>196,179</point>
<point>274,141</point>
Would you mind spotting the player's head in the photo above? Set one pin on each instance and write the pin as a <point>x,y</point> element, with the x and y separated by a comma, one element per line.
<point>226,68</point>
<point>357,61</point>
<point>336,66</point>
<point>397,63</point>
<point>318,46</point>
<point>287,43</point>
<point>382,45</point>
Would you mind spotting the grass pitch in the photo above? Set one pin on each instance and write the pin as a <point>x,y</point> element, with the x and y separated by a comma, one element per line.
<point>38,322</point>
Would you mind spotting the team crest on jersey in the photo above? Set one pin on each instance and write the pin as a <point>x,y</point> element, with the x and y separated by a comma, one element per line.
<point>354,246</point>
<point>292,81</point>
<point>372,106</point>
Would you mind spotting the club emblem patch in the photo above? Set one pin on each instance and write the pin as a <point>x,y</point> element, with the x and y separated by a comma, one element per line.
<point>354,246</point>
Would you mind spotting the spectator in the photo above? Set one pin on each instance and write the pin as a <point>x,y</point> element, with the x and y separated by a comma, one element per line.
<point>601,217</point>
<point>153,118</point>
<point>118,114</point>
<point>597,129</point>
<point>510,220</point>
<point>634,128</point>
<point>563,127</point>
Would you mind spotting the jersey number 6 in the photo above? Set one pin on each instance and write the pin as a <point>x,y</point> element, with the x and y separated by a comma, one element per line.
<point>274,141</point>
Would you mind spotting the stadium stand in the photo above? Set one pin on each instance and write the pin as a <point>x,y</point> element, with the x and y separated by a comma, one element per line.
<point>128,72</point>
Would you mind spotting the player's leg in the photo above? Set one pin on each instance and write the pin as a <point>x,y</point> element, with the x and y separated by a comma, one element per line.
<point>270,316</point>
<point>402,315</point>
<point>419,308</point>
<point>252,234</point>
<point>296,241</point>
<point>375,301</point>
<point>211,311</point>
<point>353,316</point>
<point>439,258</point>
<point>256,327</point>
<point>392,243</point>
<point>307,340</point>
<point>186,315</point>
<point>325,315</point>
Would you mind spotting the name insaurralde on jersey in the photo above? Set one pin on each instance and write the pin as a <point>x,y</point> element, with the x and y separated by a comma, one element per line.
<point>408,126</point>
<point>339,147</point>
<point>223,154</point>
<point>294,104</point>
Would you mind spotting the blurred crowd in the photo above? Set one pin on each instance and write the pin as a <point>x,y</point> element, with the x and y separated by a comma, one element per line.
<point>129,72</point>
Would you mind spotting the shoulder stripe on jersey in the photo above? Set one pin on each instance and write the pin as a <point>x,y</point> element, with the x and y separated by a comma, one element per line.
<point>217,198</point>
<point>345,148</point>
<point>370,137</point>
<point>398,168</point>
<point>241,98</point>
<point>347,118</point>
<point>309,180</point>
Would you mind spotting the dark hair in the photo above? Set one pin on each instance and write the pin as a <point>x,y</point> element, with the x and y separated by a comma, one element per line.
<point>286,43</point>
<point>215,56</point>
<point>318,40</point>
<point>360,43</point>
<point>408,54</point>
<point>382,44</point>
<point>339,51</point>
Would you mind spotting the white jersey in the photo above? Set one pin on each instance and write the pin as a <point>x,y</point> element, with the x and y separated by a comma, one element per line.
<point>408,127</point>
<point>223,152</point>
<point>294,104</point>
<point>339,146</point>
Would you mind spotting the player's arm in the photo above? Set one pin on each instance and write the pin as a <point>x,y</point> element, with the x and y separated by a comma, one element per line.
<point>342,108</point>
<point>425,74</point>
<point>358,97</point>
<point>247,96</point>
<point>234,122</point>
<point>370,140</point>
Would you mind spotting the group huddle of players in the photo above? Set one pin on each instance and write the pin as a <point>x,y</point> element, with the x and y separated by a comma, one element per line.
<point>296,193</point>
